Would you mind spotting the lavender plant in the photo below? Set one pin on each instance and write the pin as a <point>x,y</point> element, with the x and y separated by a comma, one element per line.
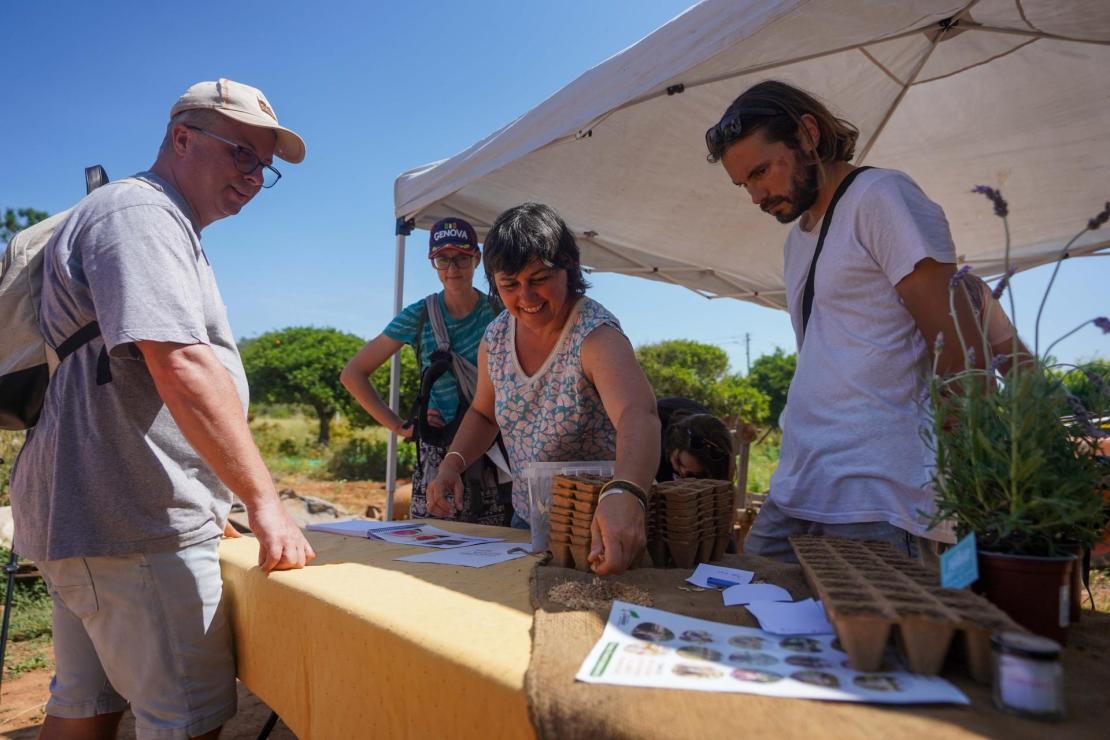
<point>1017,458</point>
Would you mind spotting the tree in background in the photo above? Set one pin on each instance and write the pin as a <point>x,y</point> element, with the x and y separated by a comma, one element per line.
<point>17,220</point>
<point>301,365</point>
<point>681,367</point>
<point>772,374</point>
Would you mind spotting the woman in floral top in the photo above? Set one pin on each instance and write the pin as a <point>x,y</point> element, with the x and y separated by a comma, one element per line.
<point>559,379</point>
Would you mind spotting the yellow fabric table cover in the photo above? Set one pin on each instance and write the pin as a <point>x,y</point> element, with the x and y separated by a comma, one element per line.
<point>359,645</point>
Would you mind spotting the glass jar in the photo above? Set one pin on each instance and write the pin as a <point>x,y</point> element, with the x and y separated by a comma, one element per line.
<point>1028,677</point>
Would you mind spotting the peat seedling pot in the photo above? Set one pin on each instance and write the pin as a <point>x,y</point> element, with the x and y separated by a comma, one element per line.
<point>1035,591</point>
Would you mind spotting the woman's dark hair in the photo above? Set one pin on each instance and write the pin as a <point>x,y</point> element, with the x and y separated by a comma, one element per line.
<point>532,231</point>
<point>837,137</point>
<point>706,438</point>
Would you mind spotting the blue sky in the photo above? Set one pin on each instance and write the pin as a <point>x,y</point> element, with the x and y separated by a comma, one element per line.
<point>374,89</point>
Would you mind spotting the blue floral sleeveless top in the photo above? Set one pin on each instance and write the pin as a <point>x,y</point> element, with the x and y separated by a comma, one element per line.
<point>556,414</point>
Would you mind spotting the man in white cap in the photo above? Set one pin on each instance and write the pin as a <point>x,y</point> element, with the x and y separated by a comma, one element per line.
<point>124,486</point>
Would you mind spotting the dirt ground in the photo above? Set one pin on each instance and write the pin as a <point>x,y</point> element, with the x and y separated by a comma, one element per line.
<point>357,498</point>
<point>24,697</point>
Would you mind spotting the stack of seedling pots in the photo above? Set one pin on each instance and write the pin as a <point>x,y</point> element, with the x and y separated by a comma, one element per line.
<point>689,522</point>
<point>573,502</point>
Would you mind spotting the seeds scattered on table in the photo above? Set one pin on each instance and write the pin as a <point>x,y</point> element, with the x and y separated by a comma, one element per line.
<point>597,594</point>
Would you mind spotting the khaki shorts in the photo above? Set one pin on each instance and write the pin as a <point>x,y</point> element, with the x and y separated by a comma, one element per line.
<point>149,630</point>
<point>770,533</point>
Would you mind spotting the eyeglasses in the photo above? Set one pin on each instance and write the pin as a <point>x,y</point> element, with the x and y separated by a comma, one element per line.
<point>246,161</point>
<point>445,261</point>
<point>731,126</point>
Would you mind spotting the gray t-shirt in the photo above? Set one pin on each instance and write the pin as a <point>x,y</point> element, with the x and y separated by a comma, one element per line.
<point>852,449</point>
<point>107,471</point>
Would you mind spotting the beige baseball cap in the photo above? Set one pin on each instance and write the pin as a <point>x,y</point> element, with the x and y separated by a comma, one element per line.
<point>245,104</point>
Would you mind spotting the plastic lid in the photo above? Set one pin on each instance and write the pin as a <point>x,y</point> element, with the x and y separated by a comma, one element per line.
<point>1025,645</point>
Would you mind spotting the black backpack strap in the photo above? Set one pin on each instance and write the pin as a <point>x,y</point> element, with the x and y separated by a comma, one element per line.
<point>807,296</point>
<point>79,339</point>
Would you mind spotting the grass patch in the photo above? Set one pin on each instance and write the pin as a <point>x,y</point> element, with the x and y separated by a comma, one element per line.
<point>287,442</point>
<point>31,624</point>
<point>30,655</point>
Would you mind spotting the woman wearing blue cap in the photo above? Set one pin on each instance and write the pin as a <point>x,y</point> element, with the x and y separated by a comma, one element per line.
<point>445,330</point>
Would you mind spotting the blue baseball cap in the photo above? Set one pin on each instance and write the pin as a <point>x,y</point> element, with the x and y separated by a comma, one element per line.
<point>452,233</point>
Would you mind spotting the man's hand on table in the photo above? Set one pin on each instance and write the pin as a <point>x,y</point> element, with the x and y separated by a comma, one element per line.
<point>617,534</point>
<point>281,544</point>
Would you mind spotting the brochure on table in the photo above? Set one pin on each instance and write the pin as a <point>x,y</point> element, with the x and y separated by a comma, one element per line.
<point>475,556</point>
<point>649,647</point>
<point>403,533</point>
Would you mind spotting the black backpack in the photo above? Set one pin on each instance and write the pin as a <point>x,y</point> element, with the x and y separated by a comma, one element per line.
<point>443,360</point>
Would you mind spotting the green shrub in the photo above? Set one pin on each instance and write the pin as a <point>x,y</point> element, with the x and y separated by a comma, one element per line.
<point>10,443</point>
<point>763,460</point>
<point>363,459</point>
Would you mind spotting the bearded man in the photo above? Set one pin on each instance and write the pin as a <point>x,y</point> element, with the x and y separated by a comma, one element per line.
<point>867,309</point>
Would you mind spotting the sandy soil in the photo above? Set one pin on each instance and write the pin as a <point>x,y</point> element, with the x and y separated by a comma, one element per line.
<point>23,698</point>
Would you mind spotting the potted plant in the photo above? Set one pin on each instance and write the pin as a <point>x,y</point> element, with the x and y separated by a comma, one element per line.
<point>1017,460</point>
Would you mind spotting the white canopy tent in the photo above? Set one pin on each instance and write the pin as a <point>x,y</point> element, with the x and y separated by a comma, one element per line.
<point>1007,93</point>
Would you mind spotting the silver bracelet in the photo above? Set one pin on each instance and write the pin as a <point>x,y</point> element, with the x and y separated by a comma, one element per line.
<point>617,489</point>
<point>463,459</point>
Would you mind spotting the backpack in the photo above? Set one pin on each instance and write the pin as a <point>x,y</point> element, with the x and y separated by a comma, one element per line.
<point>26,360</point>
<point>441,361</point>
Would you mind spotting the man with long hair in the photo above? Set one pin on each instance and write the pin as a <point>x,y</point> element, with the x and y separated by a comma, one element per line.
<point>867,308</point>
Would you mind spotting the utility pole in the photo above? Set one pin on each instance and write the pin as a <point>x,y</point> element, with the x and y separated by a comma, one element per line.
<point>748,350</point>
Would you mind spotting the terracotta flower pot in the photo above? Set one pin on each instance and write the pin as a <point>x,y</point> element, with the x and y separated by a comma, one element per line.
<point>1034,591</point>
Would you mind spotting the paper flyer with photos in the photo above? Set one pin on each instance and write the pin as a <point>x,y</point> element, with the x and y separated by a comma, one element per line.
<point>405,533</point>
<point>649,647</point>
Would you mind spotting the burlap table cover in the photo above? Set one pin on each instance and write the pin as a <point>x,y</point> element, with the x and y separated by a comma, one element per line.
<point>562,708</point>
<point>358,645</point>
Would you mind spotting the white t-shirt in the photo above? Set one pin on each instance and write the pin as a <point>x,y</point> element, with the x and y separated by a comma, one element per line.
<point>852,449</point>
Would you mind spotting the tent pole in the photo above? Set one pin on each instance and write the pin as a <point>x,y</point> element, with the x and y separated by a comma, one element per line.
<point>403,229</point>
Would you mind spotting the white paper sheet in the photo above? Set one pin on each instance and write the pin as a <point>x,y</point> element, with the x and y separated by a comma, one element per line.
<point>475,556</point>
<point>650,647</point>
<point>404,533</point>
<point>750,593</point>
<point>704,571</point>
<point>356,527</point>
<point>797,618</point>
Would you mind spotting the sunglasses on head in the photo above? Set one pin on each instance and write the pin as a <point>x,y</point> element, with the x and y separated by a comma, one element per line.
<point>712,450</point>
<point>731,126</point>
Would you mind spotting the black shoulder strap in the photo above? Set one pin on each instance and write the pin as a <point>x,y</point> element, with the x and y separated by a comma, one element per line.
<point>807,297</point>
<point>79,339</point>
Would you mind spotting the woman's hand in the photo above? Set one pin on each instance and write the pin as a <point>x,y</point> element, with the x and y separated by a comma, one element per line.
<point>617,533</point>
<point>447,483</point>
<point>405,430</point>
